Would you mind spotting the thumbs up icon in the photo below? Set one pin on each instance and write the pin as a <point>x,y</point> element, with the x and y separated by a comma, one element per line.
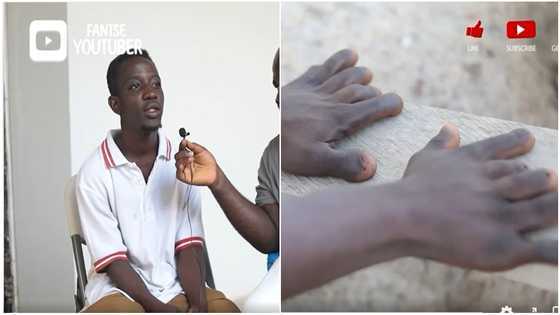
<point>475,31</point>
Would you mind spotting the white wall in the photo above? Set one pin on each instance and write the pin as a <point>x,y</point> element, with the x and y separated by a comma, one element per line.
<point>215,61</point>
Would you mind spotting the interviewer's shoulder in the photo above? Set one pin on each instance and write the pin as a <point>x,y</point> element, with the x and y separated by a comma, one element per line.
<point>273,146</point>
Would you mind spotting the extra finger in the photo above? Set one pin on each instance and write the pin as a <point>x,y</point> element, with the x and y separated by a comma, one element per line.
<point>499,168</point>
<point>541,251</point>
<point>533,214</point>
<point>527,184</point>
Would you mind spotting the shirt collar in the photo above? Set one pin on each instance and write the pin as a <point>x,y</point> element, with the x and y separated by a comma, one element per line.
<point>113,157</point>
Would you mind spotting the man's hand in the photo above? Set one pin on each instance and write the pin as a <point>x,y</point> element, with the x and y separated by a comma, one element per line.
<point>327,103</point>
<point>126,279</point>
<point>203,308</point>
<point>197,166</point>
<point>469,206</point>
<point>166,308</point>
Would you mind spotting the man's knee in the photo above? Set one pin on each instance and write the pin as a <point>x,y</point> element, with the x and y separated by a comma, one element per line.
<point>115,303</point>
<point>222,306</point>
<point>219,303</point>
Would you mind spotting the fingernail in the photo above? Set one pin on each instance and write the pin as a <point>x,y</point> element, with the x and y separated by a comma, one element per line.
<point>394,101</point>
<point>367,167</point>
<point>522,133</point>
<point>448,126</point>
<point>551,178</point>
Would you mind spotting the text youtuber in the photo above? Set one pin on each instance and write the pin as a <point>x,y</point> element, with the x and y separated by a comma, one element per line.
<point>106,39</point>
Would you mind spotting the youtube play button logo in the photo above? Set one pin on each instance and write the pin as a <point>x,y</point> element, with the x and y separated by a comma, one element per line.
<point>48,40</point>
<point>521,29</point>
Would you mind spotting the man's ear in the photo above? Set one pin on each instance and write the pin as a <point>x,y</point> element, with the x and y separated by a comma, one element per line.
<point>114,104</point>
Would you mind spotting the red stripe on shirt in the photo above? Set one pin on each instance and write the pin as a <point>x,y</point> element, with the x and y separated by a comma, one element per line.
<point>104,153</point>
<point>189,241</point>
<point>168,149</point>
<point>112,163</point>
<point>103,262</point>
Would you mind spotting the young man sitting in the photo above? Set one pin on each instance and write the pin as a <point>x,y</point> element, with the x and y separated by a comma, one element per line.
<point>142,226</point>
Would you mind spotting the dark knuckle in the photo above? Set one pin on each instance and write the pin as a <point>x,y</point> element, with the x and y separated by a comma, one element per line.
<point>504,214</point>
<point>520,166</point>
<point>489,169</point>
<point>357,90</point>
<point>499,245</point>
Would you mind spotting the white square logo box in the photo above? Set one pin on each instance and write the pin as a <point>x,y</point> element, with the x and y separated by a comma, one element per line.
<point>47,40</point>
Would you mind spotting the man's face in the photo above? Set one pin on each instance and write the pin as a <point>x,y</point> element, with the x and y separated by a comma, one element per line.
<point>276,76</point>
<point>140,97</point>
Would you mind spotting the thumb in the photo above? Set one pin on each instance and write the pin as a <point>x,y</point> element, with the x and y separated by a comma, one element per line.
<point>183,144</point>
<point>478,24</point>
<point>351,165</point>
<point>447,138</point>
<point>195,147</point>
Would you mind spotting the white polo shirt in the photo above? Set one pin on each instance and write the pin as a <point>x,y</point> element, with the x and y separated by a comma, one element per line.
<point>125,218</point>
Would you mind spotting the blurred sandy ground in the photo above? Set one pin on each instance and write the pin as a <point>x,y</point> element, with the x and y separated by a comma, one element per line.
<point>419,50</point>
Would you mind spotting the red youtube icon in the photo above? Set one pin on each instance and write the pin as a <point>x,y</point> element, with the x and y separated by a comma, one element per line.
<point>521,29</point>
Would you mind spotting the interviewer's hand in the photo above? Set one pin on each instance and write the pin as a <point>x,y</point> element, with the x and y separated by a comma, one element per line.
<point>327,103</point>
<point>197,167</point>
<point>468,206</point>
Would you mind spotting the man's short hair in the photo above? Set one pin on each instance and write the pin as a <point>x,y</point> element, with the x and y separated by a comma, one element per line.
<point>112,72</point>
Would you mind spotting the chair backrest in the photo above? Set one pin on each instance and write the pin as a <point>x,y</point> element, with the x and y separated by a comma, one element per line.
<point>72,215</point>
<point>76,236</point>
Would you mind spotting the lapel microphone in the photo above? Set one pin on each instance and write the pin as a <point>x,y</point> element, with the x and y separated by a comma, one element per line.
<point>183,133</point>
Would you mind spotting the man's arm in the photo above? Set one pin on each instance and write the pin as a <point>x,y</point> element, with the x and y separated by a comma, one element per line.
<point>258,225</point>
<point>126,279</point>
<point>465,206</point>
<point>334,232</point>
<point>192,274</point>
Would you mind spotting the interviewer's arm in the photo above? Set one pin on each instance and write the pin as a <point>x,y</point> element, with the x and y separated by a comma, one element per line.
<point>258,225</point>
